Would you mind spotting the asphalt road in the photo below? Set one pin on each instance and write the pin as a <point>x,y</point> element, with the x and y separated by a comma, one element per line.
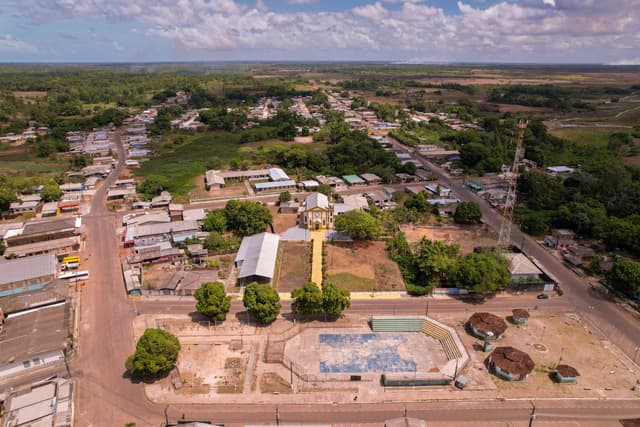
<point>617,324</point>
<point>107,397</point>
<point>400,306</point>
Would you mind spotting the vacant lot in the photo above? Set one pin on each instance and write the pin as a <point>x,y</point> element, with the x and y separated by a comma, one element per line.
<point>467,237</point>
<point>587,136</point>
<point>282,222</point>
<point>233,189</point>
<point>363,266</point>
<point>293,267</point>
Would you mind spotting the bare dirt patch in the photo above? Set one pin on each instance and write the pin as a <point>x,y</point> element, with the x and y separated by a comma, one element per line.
<point>293,267</point>
<point>282,222</point>
<point>467,237</point>
<point>550,339</point>
<point>187,277</point>
<point>271,382</point>
<point>363,266</point>
<point>233,189</point>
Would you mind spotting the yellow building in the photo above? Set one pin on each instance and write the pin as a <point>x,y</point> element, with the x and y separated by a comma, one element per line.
<point>317,213</point>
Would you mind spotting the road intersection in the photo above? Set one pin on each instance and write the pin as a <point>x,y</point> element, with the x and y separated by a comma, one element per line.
<point>106,396</point>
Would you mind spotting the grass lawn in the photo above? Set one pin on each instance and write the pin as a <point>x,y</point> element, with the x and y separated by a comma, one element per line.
<point>587,136</point>
<point>351,282</point>
<point>182,163</point>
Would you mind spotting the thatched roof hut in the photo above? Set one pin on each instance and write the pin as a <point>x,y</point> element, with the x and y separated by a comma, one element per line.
<point>486,325</point>
<point>519,315</point>
<point>565,374</point>
<point>511,363</point>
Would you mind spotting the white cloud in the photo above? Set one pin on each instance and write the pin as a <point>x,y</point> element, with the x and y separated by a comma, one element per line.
<point>633,61</point>
<point>8,43</point>
<point>527,30</point>
<point>301,1</point>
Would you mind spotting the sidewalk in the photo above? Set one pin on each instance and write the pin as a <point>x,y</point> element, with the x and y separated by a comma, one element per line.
<point>317,238</point>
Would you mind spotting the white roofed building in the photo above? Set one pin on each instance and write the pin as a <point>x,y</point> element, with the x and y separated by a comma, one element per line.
<point>256,258</point>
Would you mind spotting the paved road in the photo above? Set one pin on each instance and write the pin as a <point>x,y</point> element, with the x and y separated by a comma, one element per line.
<point>616,323</point>
<point>404,306</point>
<point>105,397</point>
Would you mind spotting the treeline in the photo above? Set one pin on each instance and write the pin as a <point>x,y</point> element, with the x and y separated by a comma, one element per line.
<point>549,96</point>
<point>431,263</point>
<point>355,153</point>
<point>601,200</point>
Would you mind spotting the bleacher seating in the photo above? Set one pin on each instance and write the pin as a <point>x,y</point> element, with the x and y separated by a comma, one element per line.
<point>444,336</point>
<point>384,324</point>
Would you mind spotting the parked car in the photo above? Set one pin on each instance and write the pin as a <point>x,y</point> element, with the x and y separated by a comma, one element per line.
<point>543,296</point>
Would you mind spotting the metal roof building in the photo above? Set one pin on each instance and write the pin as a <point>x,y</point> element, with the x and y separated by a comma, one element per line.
<point>277,174</point>
<point>23,274</point>
<point>256,257</point>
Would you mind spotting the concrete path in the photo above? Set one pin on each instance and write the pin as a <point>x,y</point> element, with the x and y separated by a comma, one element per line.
<point>317,237</point>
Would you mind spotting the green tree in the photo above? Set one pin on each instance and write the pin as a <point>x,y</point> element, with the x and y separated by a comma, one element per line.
<point>212,301</point>
<point>246,217</point>
<point>152,185</point>
<point>215,220</point>
<point>417,202</point>
<point>156,354</point>
<point>216,242</point>
<point>307,299</point>
<point>434,260</point>
<point>358,224</point>
<point>624,276</point>
<point>481,272</point>
<point>284,197</point>
<point>262,302</point>
<point>51,192</point>
<point>7,196</point>
<point>325,189</point>
<point>467,213</point>
<point>335,300</point>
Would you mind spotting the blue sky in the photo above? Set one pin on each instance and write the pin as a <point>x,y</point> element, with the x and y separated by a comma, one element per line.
<point>556,31</point>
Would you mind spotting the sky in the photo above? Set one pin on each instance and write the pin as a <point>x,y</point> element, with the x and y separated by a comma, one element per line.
<point>413,31</point>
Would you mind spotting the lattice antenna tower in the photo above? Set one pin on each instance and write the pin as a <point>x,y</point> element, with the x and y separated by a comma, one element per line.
<point>504,237</point>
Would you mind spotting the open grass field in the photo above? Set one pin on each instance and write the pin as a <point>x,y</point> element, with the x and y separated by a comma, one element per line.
<point>363,267</point>
<point>31,168</point>
<point>184,162</point>
<point>587,136</point>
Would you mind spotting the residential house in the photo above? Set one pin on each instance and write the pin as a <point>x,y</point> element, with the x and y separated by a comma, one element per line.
<point>371,179</point>
<point>560,238</point>
<point>354,180</point>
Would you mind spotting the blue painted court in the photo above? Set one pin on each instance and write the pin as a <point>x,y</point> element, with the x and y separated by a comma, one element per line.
<point>357,353</point>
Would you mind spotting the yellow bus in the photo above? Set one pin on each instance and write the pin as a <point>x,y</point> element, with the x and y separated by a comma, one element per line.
<point>70,259</point>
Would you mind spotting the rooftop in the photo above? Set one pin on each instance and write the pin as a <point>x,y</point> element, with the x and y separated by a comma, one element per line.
<point>369,177</point>
<point>275,184</point>
<point>512,360</point>
<point>487,322</point>
<point>277,174</point>
<point>29,268</point>
<point>317,200</point>
<point>520,312</point>
<point>257,255</point>
<point>567,371</point>
<point>520,265</point>
<point>353,179</point>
